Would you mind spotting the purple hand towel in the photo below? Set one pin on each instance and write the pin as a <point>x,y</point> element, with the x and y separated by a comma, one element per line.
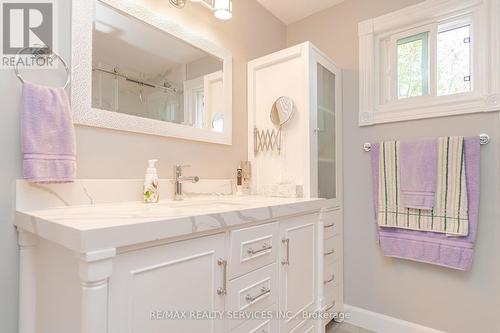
<point>419,161</point>
<point>430,247</point>
<point>47,135</point>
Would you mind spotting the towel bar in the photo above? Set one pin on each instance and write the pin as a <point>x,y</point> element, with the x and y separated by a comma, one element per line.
<point>484,139</point>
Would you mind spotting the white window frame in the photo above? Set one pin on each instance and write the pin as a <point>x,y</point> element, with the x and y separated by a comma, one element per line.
<point>377,42</point>
<point>193,114</point>
<point>473,66</point>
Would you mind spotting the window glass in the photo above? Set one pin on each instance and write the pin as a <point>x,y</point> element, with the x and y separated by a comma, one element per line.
<point>453,61</point>
<point>413,66</point>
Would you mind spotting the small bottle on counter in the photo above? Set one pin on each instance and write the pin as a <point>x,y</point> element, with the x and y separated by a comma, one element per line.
<point>150,189</point>
<point>239,181</point>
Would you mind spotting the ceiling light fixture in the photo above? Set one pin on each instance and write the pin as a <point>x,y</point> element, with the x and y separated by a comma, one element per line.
<point>222,8</point>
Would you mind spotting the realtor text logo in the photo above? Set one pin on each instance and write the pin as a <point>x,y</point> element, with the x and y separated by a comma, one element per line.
<point>26,26</point>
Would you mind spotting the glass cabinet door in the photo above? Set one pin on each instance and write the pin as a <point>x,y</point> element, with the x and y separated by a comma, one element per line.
<point>327,177</point>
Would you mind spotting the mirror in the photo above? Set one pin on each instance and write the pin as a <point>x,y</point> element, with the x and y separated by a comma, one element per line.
<point>140,70</point>
<point>282,111</point>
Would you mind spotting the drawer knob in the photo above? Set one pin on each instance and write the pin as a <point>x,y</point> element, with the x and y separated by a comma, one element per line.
<point>330,279</point>
<point>263,291</point>
<point>265,247</point>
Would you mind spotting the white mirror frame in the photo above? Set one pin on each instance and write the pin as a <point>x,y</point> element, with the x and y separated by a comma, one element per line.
<point>81,72</point>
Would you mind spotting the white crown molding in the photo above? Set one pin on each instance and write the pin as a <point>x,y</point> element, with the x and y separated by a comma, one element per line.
<point>378,322</point>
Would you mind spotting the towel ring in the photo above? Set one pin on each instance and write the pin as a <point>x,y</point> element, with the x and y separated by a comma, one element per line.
<point>38,52</point>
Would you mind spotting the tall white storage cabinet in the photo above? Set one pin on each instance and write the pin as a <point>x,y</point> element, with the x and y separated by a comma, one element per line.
<point>310,153</point>
<point>311,149</point>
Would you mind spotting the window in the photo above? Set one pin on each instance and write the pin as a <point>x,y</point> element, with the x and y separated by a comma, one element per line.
<point>453,60</point>
<point>433,59</point>
<point>422,72</point>
<point>194,107</point>
<point>413,65</point>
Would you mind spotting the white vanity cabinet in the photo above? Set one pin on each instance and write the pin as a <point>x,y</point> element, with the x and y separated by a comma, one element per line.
<point>268,267</point>
<point>255,269</point>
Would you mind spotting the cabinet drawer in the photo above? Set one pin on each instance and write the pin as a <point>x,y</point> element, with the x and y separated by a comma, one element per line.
<point>255,326</point>
<point>332,307</point>
<point>331,290</point>
<point>307,326</point>
<point>332,271</point>
<point>332,287</point>
<point>332,222</point>
<point>332,303</point>
<point>258,325</point>
<point>332,249</point>
<point>252,248</point>
<point>255,291</point>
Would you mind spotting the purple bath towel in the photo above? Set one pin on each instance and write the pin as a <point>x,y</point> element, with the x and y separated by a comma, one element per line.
<point>430,247</point>
<point>419,160</point>
<point>47,135</point>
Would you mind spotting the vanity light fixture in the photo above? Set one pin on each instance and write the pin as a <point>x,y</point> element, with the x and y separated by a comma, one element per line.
<point>178,3</point>
<point>222,8</point>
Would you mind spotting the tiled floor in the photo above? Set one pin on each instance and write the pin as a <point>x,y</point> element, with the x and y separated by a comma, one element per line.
<point>345,328</point>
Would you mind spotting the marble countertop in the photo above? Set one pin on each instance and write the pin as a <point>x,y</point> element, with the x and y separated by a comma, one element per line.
<point>86,228</point>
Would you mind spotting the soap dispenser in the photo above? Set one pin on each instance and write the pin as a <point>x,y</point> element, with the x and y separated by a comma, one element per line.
<point>150,189</point>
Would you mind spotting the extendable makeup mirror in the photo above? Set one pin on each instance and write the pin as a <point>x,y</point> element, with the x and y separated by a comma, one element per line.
<point>282,111</point>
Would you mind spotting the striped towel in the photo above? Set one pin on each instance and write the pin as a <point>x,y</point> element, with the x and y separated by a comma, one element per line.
<point>450,212</point>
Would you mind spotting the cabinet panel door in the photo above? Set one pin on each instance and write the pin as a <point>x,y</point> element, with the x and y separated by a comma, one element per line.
<point>326,128</point>
<point>298,274</point>
<point>148,285</point>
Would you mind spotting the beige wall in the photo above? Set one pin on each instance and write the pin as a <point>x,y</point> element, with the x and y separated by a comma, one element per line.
<point>251,33</point>
<point>444,299</point>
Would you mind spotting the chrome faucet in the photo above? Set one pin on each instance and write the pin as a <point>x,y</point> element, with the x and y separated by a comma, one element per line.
<point>179,179</point>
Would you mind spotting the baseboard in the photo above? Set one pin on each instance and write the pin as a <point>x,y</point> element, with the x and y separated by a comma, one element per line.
<point>380,323</point>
